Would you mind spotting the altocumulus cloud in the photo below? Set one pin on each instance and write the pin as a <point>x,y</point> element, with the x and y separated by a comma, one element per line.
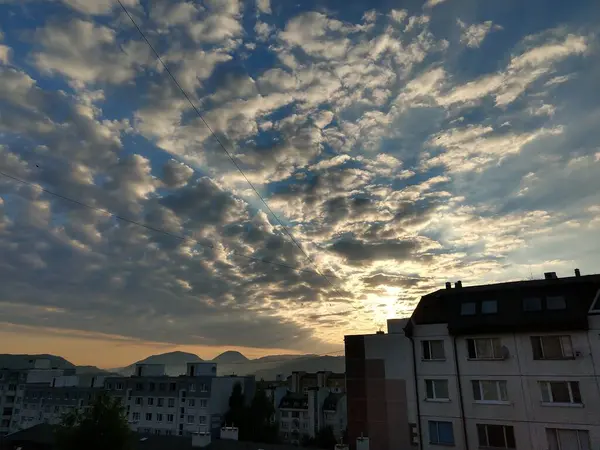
<point>402,148</point>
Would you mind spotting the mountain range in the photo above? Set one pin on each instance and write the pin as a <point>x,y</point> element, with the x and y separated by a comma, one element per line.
<point>228,363</point>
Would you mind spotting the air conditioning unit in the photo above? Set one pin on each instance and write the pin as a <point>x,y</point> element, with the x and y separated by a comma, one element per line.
<point>505,352</point>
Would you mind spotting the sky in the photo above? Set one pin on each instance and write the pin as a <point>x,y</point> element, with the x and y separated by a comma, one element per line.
<point>398,145</point>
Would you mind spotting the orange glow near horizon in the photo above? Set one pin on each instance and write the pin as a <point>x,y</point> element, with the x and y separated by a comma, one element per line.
<point>104,351</point>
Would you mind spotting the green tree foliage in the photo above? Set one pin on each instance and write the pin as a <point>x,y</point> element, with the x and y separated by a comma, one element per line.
<point>325,438</point>
<point>255,421</point>
<point>103,426</point>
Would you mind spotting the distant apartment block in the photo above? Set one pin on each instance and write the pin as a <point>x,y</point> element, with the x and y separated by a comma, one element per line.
<point>164,405</point>
<point>309,402</point>
<point>502,366</point>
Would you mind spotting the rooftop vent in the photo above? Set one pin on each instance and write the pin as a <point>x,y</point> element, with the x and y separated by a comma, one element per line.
<point>550,276</point>
<point>458,284</point>
<point>577,273</point>
<point>448,285</point>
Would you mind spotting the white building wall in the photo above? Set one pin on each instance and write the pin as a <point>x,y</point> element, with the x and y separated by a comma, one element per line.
<point>524,410</point>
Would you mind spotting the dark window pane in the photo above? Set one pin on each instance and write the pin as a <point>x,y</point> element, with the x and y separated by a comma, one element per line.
<point>437,349</point>
<point>426,352</point>
<point>476,391</point>
<point>556,303</point>
<point>429,388</point>
<point>445,433</point>
<point>468,308</point>
<point>471,348</point>
<point>510,437</point>
<point>482,436</point>
<point>496,436</point>
<point>560,392</point>
<point>575,391</point>
<point>433,434</point>
<point>536,346</point>
<point>489,307</point>
<point>551,347</point>
<point>532,304</point>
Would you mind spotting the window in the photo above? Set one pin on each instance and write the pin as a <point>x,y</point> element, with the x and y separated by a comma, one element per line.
<point>489,307</point>
<point>108,386</point>
<point>162,386</point>
<point>201,420</point>
<point>172,387</point>
<point>148,416</point>
<point>159,417</point>
<point>138,400</point>
<point>150,401</point>
<point>169,432</point>
<point>468,309</point>
<point>157,431</point>
<point>151,386</point>
<point>489,391</point>
<point>170,418</point>
<point>441,433</point>
<point>139,386</point>
<point>563,439</point>
<point>532,304</point>
<point>181,410</point>
<point>160,402</point>
<point>190,419</point>
<point>484,348</point>
<point>284,425</point>
<point>136,416</point>
<point>203,388</point>
<point>436,389</point>
<point>192,387</point>
<point>119,386</point>
<point>203,403</point>
<point>285,414</point>
<point>556,303</point>
<point>296,414</point>
<point>552,347</point>
<point>191,402</point>
<point>496,436</point>
<point>171,403</point>
<point>560,392</point>
<point>433,350</point>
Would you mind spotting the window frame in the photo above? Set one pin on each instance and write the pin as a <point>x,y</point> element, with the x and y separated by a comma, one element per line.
<point>489,302</point>
<point>562,340</point>
<point>499,392</point>
<point>539,305</point>
<point>555,433</point>
<point>434,391</point>
<point>550,298</point>
<point>427,350</point>
<point>487,445</point>
<point>464,312</point>
<point>437,441</point>
<point>546,386</point>
<point>492,340</point>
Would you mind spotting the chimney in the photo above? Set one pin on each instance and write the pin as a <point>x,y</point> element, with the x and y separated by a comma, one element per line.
<point>229,433</point>
<point>577,273</point>
<point>448,285</point>
<point>458,284</point>
<point>550,276</point>
<point>201,439</point>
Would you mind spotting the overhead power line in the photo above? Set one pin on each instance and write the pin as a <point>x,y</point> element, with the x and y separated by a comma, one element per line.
<point>151,228</point>
<point>227,152</point>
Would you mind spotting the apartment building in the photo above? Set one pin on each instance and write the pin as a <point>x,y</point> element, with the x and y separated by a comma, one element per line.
<point>503,366</point>
<point>47,402</point>
<point>164,405</point>
<point>310,402</point>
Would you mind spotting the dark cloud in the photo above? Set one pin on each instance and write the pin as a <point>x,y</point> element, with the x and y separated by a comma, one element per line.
<point>358,251</point>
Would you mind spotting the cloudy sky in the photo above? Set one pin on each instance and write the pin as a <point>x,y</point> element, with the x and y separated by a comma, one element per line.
<point>402,144</point>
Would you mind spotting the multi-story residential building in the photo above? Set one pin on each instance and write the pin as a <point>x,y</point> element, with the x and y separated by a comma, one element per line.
<point>48,402</point>
<point>503,366</point>
<point>310,403</point>
<point>13,383</point>
<point>182,405</point>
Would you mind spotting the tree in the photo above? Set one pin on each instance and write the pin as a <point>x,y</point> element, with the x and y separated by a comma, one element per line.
<point>325,438</point>
<point>102,426</point>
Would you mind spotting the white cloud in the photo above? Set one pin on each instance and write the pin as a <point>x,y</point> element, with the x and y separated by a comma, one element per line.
<point>264,6</point>
<point>87,53</point>
<point>473,35</point>
<point>97,6</point>
<point>432,3</point>
<point>4,54</point>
